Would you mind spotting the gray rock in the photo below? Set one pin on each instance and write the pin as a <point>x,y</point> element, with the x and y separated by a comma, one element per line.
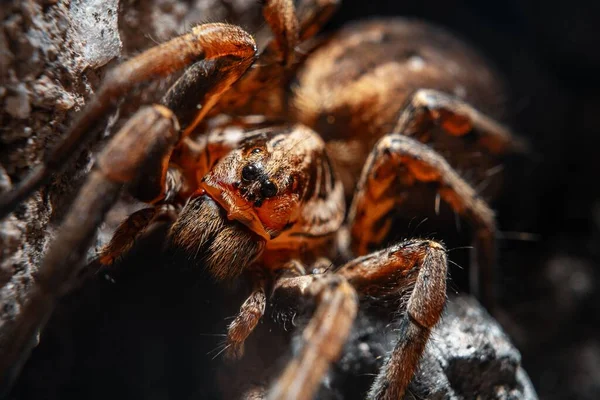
<point>468,357</point>
<point>95,24</point>
<point>476,356</point>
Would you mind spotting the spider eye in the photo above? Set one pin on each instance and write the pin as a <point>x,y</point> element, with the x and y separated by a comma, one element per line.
<point>256,150</point>
<point>268,189</point>
<point>250,172</point>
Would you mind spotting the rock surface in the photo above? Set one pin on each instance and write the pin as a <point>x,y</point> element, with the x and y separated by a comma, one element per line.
<point>468,357</point>
<point>52,52</point>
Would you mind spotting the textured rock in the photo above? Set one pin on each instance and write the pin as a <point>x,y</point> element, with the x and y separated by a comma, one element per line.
<point>96,25</point>
<point>469,343</point>
<point>51,52</point>
<point>468,357</point>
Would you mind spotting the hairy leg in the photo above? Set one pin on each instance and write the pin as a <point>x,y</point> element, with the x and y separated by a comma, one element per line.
<point>469,140</point>
<point>400,165</point>
<point>263,89</point>
<point>281,17</point>
<point>313,15</point>
<point>428,107</point>
<point>323,337</point>
<point>253,308</point>
<point>138,225</point>
<point>415,272</point>
<point>243,325</point>
<point>291,27</point>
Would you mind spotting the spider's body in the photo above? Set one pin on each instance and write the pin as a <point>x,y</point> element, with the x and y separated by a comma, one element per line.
<point>263,189</point>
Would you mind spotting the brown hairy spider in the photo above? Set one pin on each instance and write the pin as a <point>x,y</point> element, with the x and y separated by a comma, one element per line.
<point>251,157</point>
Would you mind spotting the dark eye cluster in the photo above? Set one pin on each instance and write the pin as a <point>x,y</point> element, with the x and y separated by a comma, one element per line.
<point>253,172</point>
<point>268,189</point>
<point>250,172</point>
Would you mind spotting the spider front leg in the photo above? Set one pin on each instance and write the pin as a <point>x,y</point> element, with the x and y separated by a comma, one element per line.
<point>144,143</point>
<point>399,166</point>
<point>281,17</point>
<point>291,27</point>
<point>282,50</point>
<point>323,337</point>
<point>415,270</point>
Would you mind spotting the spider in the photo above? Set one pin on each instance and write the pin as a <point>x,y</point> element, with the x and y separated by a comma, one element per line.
<point>251,157</point>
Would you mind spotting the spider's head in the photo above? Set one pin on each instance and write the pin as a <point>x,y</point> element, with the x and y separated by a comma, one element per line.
<point>263,183</point>
<point>251,196</point>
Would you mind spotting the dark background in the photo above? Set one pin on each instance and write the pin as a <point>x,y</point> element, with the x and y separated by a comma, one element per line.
<point>548,54</point>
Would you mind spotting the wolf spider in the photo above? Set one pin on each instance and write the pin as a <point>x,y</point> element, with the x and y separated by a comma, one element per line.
<point>251,156</point>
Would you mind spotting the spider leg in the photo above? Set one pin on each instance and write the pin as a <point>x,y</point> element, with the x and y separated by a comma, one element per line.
<point>253,308</point>
<point>281,18</point>
<point>313,14</point>
<point>139,224</point>
<point>205,43</point>
<point>427,107</point>
<point>263,89</point>
<point>466,138</point>
<point>415,270</point>
<point>323,337</point>
<point>399,166</point>
<point>242,326</point>
<point>144,137</point>
<point>291,27</point>
<point>201,86</point>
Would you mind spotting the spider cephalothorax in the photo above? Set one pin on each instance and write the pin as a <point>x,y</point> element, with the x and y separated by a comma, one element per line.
<point>251,165</point>
<point>275,190</point>
<point>267,182</point>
